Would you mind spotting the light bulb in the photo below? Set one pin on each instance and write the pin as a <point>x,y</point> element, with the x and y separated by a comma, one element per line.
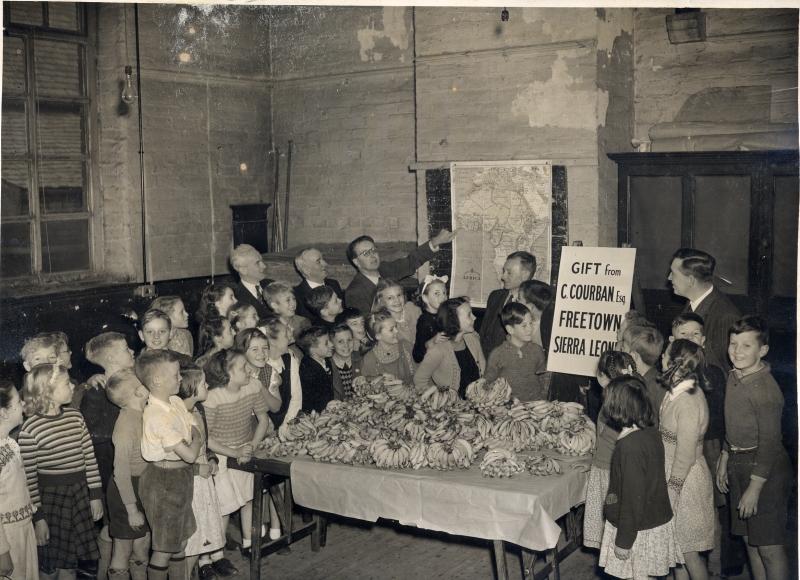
<point>128,94</point>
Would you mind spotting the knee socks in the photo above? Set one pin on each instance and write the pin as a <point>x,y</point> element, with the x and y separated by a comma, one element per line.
<point>157,572</point>
<point>177,567</point>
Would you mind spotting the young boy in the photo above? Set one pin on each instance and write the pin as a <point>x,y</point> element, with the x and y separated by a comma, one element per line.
<point>518,359</point>
<point>280,297</point>
<point>315,369</point>
<point>180,338</point>
<point>128,527</point>
<point>754,466</point>
<point>353,318</point>
<point>63,352</point>
<point>325,305</point>
<point>644,344</point>
<point>156,329</point>
<point>344,367</point>
<point>170,445</point>
<point>39,349</point>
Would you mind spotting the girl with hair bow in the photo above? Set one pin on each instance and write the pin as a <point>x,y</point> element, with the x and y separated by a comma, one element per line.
<point>432,293</point>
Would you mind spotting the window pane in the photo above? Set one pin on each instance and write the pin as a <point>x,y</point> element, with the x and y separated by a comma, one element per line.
<point>65,245</point>
<point>57,68</point>
<point>63,15</point>
<point>60,129</point>
<point>26,13</point>
<point>13,65</point>
<point>15,250</point>
<point>655,226</point>
<point>14,129</point>
<point>722,226</point>
<point>15,188</point>
<point>61,186</point>
<point>784,246</point>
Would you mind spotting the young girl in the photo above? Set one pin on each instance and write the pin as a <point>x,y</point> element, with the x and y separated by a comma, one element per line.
<point>242,316</point>
<point>344,368</point>
<point>215,334</point>
<point>63,480</point>
<point>390,295</point>
<point>353,318</point>
<point>255,347</point>
<point>280,297</point>
<point>233,399</point>
<point>431,295</point>
<point>639,533</point>
<point>683,423</point>
<point>209,538</point>
<point>612,364</point>
<point>18,559</point>
<point>285,378</point>
<point>390,354</point>
<point>215,301</point>
<point>180,338</point>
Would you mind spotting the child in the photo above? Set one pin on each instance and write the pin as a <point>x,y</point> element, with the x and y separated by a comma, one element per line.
<point>233,400</point>
<point>315,371</point>
<point>325,304</point>
<point>63,352</point>
<point>754,467</point>
<point>537,296</point>
<point>285,379</point>
<point>180,338</point>
<point>127,524</point>
<point>518,360</point>
<point>208,540</point>
<point>170,444</point>
<point>215,301</point>
<point>280,297</point>
<point>390,355</point>
<point>390,295</point>
<point>644,344</point>
<point>215,334</point>
<point>39,349</point>
<point>431,295</point>
<point>63,480</point>
<point>155,331</point>
<point>255,347</point>
<point>18,559</point>
<point>353,318</point>
<point>344,368</point>
<point>639,534</point>
<point>683,422</point>
<point>612,364</point>
<point>242,316</point>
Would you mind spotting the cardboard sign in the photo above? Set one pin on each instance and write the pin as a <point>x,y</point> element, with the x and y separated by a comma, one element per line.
<point>593,293</point>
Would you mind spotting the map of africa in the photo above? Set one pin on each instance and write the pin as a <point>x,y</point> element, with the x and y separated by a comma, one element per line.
<point>498,207</point>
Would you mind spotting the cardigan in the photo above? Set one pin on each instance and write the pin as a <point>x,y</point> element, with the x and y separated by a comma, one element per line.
<point>440,366</point>
<point>684,420</point>
<point>522,369</point>
<point>317,385</point>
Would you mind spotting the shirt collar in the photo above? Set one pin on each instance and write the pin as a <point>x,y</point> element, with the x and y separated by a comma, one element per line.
<point>681,387</point>
<point>696,302</point>
<point>251,288</point>
<point>151,400</point>
<point>313,285</point>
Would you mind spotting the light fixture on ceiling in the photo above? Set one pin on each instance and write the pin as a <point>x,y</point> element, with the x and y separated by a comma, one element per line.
<point>128,93</point>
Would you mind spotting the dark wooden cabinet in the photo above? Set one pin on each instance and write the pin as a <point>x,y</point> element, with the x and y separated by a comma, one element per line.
<point>739,206</point>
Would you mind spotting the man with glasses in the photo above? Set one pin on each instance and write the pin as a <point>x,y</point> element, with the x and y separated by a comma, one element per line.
<point>364,256</point>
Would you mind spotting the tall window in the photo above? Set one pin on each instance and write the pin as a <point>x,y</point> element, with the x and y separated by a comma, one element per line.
<point>46,226</point>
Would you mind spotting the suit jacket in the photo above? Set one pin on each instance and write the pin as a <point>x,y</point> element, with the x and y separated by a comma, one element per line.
<point>317,385</point>
<point>718,313</point>
<point>491,331</point>
<point>243,295</point>
<point>361,292</point>
<point>302,291</point>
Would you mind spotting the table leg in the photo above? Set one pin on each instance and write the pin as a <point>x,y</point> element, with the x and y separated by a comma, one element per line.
<point>288,505</point>
<point>278,499</point>
<point>555,573</point>
<point>255,532</point>
<point>500,559</point>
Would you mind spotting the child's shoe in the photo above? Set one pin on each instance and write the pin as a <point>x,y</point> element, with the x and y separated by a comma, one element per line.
<point>207,572</point>
<point>224,568</point>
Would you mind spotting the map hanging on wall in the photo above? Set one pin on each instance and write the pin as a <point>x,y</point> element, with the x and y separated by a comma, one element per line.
<point>499,207</point>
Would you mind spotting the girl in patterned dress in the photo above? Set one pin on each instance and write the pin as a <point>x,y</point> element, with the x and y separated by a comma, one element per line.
<point>683,423</point>
<point>390,355</point>
<point>18,559</point>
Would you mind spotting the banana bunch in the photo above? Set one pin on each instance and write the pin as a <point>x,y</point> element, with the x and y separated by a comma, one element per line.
<point>518,432</point>
<point>484,394</point>
<point>441,431</point>
<point>450,455</point>
<point>439,397</point>
<point>325,450</point>
<point>414,430</point>
<point>297,429</point>
<point>578,438</point>
<point>540,409</point>
<point>402,414</point>
<point>390,453</point>
<point>500,462</point>
<point>541,465</point>
<point>418,455</point>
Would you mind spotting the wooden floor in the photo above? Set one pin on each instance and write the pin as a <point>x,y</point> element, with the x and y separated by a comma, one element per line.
<point>357,550</point>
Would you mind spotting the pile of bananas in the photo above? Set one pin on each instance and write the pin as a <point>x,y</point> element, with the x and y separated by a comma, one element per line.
<point>439,397</point>
<point>517,427</point>
<point>390,453</point>
<point>485,394</point>
<point>542,465</point>
<point>500,462</point>
<point>450,455</point>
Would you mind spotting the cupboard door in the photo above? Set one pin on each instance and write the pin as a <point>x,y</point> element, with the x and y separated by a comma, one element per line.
<point>784,237</point>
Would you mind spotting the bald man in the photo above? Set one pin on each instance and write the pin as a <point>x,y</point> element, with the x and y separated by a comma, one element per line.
<point>252,272</point>
<point>313,268</point>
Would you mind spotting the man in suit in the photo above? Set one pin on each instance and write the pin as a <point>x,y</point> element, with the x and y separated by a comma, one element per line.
<point>692,276</point>
<point>252,271</point>
<point>519,266</point>
<point>365,258</point>
<point>313,268</point>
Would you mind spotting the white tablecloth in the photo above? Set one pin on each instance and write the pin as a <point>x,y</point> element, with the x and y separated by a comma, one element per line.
<point>522,510</point>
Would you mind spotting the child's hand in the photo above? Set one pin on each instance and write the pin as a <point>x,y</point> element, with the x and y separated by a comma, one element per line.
<point>135,518</point>
<point>722,473</point>
<point>204,471</point>
<point>245,453</point>
<point>436,339</point>
<point>213,467</point>
<point>42,533</point>
<point>6,565</point>
<point>748,505</point>
<point>97,508</point>
<point>622,553</point>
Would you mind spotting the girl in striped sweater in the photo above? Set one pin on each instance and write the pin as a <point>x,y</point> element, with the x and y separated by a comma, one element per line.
<point>62,474</point>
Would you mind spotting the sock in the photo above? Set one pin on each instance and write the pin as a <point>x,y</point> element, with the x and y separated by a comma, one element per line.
<point>138,570</point>
<point>157,572</point>
<point>274,533</point>
<point>217,556</point>
<point>114,573</point>
<point>177,567</point>
<point>246,543</point>
<point>204,560</point>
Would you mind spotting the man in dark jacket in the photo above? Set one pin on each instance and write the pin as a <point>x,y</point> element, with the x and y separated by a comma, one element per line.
<point>313,268</point>
<point>252,271</point>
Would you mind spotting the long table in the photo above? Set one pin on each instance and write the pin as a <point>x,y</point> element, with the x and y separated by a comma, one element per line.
<point>522,510</point>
